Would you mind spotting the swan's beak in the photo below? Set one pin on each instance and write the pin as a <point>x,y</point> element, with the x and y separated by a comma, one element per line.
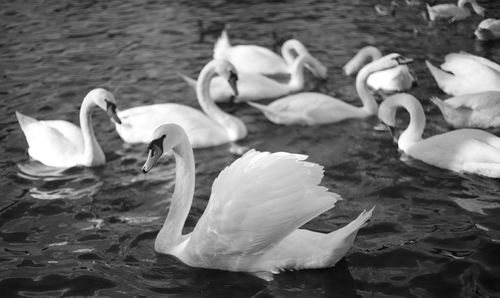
<point>404,60</point>
<point>111,111</point>
<point>155,150</point>
<point>394,133</point>
<point>233,78</point>
<point>151,161</point>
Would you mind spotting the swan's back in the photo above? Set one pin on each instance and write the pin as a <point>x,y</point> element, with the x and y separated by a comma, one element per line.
<point>256,202</point>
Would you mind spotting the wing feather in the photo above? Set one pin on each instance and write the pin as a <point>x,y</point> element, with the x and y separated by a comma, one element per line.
<point>476,101</point>
<point>259,200</point>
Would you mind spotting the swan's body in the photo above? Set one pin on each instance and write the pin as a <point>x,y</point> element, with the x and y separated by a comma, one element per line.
<point>454,12</point>
<point>471,110</point>
<point>59,143</point>
<point>488,29</point>
<point>462,150</point>
<point>315,108</point>
<point>260,60</point>
<point>252,219</point>
<point>398,78</point>
<point>211,128</point>
<point>252,87</point>
<point>463,73</point>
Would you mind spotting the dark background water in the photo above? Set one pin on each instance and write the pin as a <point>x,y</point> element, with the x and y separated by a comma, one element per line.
<point>90,231</point>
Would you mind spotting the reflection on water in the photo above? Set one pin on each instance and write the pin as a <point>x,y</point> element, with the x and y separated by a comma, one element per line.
<point>86,232</point>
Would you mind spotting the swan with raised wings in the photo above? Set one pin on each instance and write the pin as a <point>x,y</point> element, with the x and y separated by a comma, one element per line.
<point>454,12</point>
<point>260,60</point>
<point>463,150</point>
<point>61,144</point>
<point>463,73</point>
<point>252,86</point>
<point>397,78</point>
<point>471,110</point>
<point>253,216</point>
<point>211,128</point>
<point>310,108</point>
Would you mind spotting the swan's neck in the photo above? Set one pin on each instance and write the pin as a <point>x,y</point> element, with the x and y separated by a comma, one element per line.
<point>296,82</point>
<point>92,152</point>
<point>369,104</point>
<point>291,49</point>
<point>170,234</point>
<point>413,133</point>
<point>368,54</point>
<point>235,128</point>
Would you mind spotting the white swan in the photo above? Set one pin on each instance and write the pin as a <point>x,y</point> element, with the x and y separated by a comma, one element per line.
<point>252,219</point>
<point>256,59</point>
<point>310,108</point>
<point>462,150</point>
<point>397,78</point>
<point>471,110</point>
<point>212,128</point>
<point>59,143</point>
<point>488,29</point>
<point>454,12</point>
<point>252,86</point>
<point>463,73</point>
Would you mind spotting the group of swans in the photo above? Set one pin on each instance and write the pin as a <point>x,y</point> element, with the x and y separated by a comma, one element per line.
<point>236,232</point>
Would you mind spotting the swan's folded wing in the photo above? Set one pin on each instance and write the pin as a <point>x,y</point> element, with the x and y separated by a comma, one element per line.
<point>259,200</point>
<point>466,61</point>
<point>476,101</point>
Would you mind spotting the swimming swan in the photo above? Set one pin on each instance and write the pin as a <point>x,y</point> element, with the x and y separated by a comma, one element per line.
<point>454,12</point>
<point>310,108</point>
<point>252,219</point>
<point>396,78</point>
<point>463,73</point>
<point>252,86</point>
<point>471,110</point>
<point>462,150</point>
<point>61,144</point>
<point>260,60</point>
<point>488,29</point>
<point>211,128</point>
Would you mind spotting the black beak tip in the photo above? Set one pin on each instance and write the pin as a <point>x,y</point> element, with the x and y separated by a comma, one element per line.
<point>144,171</point>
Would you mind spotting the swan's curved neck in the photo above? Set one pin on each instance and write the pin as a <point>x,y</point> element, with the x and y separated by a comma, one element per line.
<point>92,152</point>
<point>413,133</point>
<point>289,47</point>
<point>296,82</point>
<point>234,127</point>
<point>170,234</point>
<point>368,54</point>
<point>369,104</point>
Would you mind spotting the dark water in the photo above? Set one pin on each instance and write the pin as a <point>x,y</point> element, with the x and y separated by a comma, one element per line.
<point>85,232</point>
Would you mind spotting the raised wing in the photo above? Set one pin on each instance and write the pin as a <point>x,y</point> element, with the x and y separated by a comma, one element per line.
<point>476,101</point>
<point>259,200</point>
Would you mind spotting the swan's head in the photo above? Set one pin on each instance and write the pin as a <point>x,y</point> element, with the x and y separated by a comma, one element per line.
<point>106,101</point>
<point>227,71</point>
<point>387,62</point>
<point>164,138</point>
<point>315,67</point>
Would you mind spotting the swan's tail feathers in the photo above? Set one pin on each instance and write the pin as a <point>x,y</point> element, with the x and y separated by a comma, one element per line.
<point>222,44</point>
<point>271,114</point>
<point>440,76</point>
<point>24,120</point>
<point>191,82</point>
<point>344,237</point>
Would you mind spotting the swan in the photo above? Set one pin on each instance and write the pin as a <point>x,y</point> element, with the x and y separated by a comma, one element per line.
<point>61,144</point>
<point>398,78</point>
<point>471,110</point>
<point>260,60</point>
<point>253,86</point>
<point>251,223</point>
<point>211,128</point>
<point>488,29</point>
<point>454,12</point>
<point>463,73</point>
<point>463,150</point>
<point>311,108</point>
